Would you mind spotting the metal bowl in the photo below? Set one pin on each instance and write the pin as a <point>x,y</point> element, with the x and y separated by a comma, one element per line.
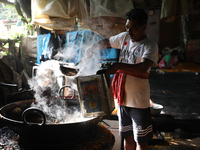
<point>156,109</point>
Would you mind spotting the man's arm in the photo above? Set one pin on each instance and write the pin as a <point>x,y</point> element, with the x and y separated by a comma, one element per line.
<point>99,45</point>
<point>142,67</point>
<point>104,43</point>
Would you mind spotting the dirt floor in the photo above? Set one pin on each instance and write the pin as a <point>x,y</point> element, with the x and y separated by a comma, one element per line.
<point>177,128</point>
<point>179,93</point>
<point>176,140</point>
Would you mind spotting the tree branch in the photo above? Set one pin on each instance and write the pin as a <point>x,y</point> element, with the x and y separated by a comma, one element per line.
<point>19,12</point>
<point>26,8</point>
<point>7,2</point>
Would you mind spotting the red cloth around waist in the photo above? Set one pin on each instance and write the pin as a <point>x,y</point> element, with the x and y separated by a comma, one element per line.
<point>118,83</point>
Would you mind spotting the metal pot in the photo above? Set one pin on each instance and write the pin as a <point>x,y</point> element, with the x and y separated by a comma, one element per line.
<point>11,115</point>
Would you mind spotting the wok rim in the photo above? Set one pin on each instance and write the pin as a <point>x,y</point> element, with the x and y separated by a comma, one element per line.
<point>96,119</point>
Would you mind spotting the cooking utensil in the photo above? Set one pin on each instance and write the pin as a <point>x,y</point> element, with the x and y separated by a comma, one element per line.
<point>156,109</point>
<point>11,115</point>
<point>68,70</point>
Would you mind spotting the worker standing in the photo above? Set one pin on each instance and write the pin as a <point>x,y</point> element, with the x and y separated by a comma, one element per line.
<point>138,53</point>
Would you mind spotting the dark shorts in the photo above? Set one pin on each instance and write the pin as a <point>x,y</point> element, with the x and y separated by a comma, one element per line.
<point>136,122</point>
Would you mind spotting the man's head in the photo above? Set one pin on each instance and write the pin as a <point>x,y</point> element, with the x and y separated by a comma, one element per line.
<point>136,23</point>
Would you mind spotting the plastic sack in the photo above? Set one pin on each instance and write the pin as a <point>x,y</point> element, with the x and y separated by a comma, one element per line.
<point>168,61</point>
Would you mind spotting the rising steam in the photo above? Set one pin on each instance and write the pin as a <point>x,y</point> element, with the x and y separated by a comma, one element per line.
<point>46,85</point>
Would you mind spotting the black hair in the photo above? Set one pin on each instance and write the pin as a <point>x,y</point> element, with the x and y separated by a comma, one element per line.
<point>137,14</point>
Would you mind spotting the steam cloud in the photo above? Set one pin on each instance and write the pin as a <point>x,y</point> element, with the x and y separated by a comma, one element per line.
<point>46,84</point>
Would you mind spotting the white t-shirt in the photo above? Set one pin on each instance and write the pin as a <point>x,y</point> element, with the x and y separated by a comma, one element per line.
<point>137,90</point>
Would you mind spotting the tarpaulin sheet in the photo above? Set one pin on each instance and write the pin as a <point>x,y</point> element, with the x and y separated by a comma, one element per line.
<point>172,8</point>
<point>98,15</point>
<point>114,8</point>
<point>74,48</point>
<point>57,14</point>
<point>107,17</point>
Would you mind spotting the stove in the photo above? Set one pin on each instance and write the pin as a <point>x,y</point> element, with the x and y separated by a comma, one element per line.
<point>103,139</point>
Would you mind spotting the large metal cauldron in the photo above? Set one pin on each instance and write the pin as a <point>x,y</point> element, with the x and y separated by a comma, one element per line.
<point>11,115</point>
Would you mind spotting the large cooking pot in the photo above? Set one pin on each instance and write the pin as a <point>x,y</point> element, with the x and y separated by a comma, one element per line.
<point>11,115</point>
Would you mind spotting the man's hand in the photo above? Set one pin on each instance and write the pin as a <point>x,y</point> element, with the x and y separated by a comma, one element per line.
<point>112,69</point>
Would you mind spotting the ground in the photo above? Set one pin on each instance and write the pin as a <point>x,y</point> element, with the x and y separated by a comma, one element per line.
<point>179,93</point>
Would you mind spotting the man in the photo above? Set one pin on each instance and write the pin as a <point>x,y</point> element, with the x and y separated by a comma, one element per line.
<point>130,84</point>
